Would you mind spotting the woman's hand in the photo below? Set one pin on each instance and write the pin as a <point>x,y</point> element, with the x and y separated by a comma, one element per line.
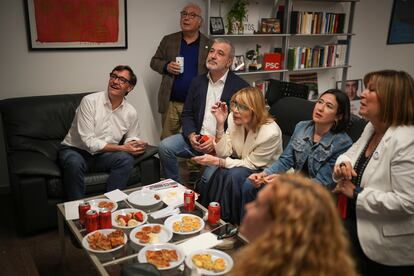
<point>257,179</point>
<point>346,187</point>
<point>271,178</point>
<point>206,160</point>
<point>344,171</point>
<point>220,112</point>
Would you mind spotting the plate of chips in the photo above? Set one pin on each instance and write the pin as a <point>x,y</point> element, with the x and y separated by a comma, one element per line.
<point>184,224</point>
<point>210,261</point>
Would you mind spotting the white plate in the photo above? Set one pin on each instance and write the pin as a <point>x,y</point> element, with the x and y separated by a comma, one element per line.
<point>170,221</point>
<point>85,243</point>
<point>173,197</point>
<point>143,259</point>
<point>124,212</point>
<point>94,204</point>
<point>144,197</point>
<point>162,237</point>
<point>214,255</point>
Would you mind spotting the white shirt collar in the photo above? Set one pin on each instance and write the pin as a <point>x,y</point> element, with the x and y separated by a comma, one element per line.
<point>222,79</point>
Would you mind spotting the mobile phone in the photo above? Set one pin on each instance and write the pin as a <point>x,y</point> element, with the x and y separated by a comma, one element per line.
<point>225,231</point>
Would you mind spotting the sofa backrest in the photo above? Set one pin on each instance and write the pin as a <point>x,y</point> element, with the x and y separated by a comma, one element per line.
<point>289,111</point>
<point>38,123</point>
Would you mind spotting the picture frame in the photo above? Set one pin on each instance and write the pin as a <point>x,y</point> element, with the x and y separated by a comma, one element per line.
<point>239,63</point>
<point>352,88</point>
<point>401,29</point>
<point>216,26</point>
<point>270,26</point>
<point>103,25</point>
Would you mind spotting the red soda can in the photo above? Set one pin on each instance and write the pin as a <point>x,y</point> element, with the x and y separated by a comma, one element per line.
<point>83,207</point>
<point>105,219</point>
<point>91,221</point>
<point>189,200</point>
<point>213,213</point>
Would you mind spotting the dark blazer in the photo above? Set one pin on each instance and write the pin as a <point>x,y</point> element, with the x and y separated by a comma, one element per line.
<point>195,104</point>
<point>167,51</point>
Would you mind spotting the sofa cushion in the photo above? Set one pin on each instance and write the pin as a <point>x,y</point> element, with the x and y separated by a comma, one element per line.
<point>32,163</point>
<point>38,123</point>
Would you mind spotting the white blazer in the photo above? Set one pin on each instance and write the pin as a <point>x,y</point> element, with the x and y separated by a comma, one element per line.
<point>257,151</point>
<point>385,208</point>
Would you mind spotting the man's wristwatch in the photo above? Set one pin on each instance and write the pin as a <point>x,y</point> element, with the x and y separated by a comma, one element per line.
<point>356,192</point>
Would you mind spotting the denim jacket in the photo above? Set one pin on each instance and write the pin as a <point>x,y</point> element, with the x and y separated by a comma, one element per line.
<point>321,156</point>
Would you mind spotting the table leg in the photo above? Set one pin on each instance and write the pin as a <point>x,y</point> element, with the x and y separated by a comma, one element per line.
<point>61,230</point>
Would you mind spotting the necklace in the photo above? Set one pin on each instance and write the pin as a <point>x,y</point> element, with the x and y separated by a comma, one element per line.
<point>361,167</point>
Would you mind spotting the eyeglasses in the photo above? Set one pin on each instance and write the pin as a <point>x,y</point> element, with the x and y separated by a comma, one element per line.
<point>239,107</point>
<point>190,15</point>
<point>122,80</point>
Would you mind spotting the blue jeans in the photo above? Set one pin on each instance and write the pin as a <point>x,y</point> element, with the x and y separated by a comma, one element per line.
<point>249,193</point>
<point>170,148</point>
<point>76,162</point>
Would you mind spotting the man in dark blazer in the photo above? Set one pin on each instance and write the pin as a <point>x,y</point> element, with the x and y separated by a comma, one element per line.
<point>219,84</point>
<point>193,46</point>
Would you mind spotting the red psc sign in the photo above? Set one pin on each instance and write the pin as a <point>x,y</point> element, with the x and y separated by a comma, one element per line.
<point>272,61</point>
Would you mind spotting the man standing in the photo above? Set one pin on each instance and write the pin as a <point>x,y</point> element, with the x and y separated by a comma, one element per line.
<point>219,84</point>
<point>92,143</point>
<point>193,46</point>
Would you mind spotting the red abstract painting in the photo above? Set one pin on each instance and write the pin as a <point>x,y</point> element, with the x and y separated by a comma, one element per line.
<point>77,20</point>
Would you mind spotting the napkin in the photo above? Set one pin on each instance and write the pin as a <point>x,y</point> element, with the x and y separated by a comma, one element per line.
<point>168,211</point>
<point>72,210</point>
<point>203,241</point>
<point>116,195</point>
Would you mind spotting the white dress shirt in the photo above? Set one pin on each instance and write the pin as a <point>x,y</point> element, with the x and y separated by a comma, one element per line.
<point>214,91</point>
<point>95,124</point>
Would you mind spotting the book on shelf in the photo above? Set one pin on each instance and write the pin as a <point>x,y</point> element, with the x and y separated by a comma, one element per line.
<point>304,22</point>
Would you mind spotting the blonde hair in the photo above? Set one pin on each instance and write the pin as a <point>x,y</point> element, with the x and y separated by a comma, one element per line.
<point>395,90</point>
<point>306,236</point>
<point>253,98</point>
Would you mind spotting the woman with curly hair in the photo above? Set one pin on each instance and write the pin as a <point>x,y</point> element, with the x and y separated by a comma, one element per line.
<point>294,229</point>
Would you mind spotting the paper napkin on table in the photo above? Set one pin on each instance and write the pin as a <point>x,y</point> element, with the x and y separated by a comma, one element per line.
<point>116,195</point>
<point>168,211</point>
<point>203,241</point>
<point>72,209</point>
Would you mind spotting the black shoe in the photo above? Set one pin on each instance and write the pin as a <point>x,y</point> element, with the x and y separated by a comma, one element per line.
<point>193,177</point>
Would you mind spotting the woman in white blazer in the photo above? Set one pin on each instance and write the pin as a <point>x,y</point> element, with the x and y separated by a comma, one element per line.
<point>251,142</point>
<point>375,177</point>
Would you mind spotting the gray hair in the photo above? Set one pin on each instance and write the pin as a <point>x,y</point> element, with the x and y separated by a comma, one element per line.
<point>226,41</point>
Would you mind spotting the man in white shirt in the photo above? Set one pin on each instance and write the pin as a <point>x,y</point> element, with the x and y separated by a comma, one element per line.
<point>102,120</point>
<point>219,84</point>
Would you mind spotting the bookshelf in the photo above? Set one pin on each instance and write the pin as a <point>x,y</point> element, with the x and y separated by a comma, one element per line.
<point>322,10</point>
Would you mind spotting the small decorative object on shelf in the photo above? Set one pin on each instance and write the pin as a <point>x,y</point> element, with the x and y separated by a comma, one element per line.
<point>236,17</point>
<point>238,64</point>
<point>216,25</point>
<point>253,56</point>
<point>269,26</point>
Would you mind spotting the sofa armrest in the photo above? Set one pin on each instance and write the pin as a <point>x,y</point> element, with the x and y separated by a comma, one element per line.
<point>32,163</point>
<point>149,152</point>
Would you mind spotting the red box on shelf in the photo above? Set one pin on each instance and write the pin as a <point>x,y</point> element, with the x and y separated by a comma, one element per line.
<point>272,61</point>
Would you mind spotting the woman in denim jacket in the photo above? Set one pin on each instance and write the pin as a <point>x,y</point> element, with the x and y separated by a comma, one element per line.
<point>313,148</point>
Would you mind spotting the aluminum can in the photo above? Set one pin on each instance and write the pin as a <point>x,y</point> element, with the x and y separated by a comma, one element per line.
<point>180,61</point>
<point>91,221</point>
<point>83,208</point>
<point>189,200</point>
<point>105,219</point>
<point>213,213</point>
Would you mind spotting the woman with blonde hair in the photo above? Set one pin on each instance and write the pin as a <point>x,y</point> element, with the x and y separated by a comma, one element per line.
<point>294,229</point>
<point>252,142</point>
<point>375,177</point>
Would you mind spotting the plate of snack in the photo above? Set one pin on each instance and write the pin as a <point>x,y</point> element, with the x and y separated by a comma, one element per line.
<point>164,255</point>
<point>210,261</point>
<point>100,203</point>
<point>128,218</point>
<point>104,240</point>
<point>144,197</point>
<point>150,233</point>
<point>184,224</point>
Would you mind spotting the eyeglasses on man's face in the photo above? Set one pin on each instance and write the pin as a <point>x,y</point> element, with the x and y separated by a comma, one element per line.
<point>240,107</point>
<point>190,15</point>
<point>113,77</point>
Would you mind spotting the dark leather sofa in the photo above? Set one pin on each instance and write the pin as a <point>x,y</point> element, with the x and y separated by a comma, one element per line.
<point>32,129</point>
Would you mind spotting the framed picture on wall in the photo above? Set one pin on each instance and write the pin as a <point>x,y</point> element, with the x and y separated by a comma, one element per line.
<point>401,28</point>
<point>216,25</point>
<point>353,89</point>
<point>80,25</point>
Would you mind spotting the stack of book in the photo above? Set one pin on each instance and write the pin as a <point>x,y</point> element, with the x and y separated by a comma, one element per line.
<point>316,23</point>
